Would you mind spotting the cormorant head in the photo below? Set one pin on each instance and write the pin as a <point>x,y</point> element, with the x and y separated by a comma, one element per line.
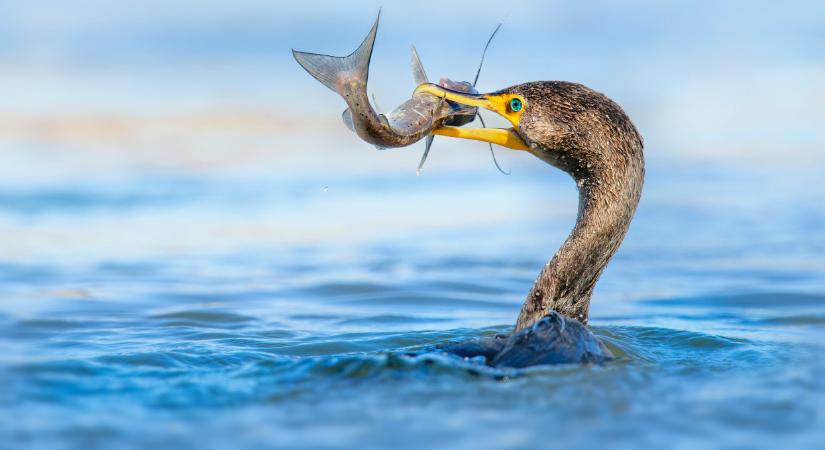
<point>507,103</point>
<point>564,124</point>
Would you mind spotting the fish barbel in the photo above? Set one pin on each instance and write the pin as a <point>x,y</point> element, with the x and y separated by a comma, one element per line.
<point>409,122</point>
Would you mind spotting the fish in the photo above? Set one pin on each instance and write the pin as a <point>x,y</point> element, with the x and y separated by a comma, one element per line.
<point>407,124</point>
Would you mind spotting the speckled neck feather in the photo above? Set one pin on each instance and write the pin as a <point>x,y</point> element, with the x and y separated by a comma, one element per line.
<point>588,136</point>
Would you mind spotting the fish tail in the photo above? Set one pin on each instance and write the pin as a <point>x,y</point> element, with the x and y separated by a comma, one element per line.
<point>335,72</point>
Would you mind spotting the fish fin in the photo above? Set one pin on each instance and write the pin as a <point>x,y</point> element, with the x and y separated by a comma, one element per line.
<point>378,108</point>
<point>419,75</point>
<point>386,123</point>
<point>335,71</point>
<point>427,145</point>
<point>384,120</point>
<point>347,116</point>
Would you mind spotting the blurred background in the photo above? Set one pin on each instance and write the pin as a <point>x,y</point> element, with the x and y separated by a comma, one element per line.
<point>98,93</point>
<point>194,244</point>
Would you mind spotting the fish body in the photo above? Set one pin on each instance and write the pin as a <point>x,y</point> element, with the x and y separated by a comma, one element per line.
<point>408,123</point>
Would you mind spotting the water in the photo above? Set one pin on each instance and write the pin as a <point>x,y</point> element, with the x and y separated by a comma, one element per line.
<point>201,310</point>
<point>195,254</point>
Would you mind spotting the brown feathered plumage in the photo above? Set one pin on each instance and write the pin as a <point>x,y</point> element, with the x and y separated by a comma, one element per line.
<point>590,137</point>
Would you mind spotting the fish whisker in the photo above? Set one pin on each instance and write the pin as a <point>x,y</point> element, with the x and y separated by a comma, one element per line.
<point>492,152</point>
<point>484,53</point>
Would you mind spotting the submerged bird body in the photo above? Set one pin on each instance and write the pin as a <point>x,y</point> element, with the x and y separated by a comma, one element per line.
<point>553,339</point>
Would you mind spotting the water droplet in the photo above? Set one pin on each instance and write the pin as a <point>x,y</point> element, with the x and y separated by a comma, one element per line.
<point>326,188</point>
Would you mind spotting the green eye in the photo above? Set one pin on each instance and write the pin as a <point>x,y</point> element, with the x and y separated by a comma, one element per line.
<point>515,105</point>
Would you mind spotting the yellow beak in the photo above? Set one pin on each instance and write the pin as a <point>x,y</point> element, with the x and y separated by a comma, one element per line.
<point>498,103</point>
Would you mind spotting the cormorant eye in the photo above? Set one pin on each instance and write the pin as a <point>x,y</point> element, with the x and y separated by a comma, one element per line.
<point>515,105</point>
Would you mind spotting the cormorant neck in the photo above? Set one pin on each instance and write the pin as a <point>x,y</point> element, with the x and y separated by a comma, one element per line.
<point>608,195</point>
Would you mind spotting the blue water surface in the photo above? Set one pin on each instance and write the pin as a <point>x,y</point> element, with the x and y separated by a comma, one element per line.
<point>160,326</point>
